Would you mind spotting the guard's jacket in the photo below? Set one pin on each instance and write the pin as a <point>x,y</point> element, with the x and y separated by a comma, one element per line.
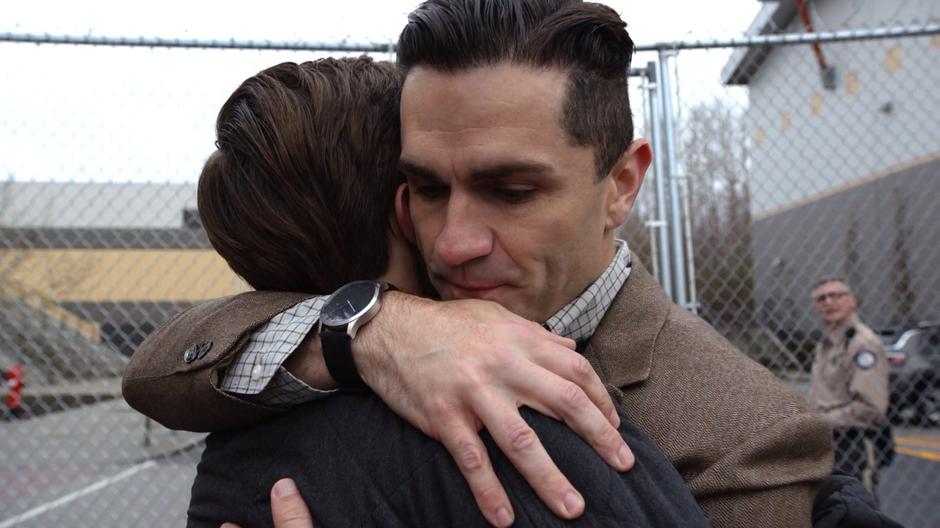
<point>850,377</point>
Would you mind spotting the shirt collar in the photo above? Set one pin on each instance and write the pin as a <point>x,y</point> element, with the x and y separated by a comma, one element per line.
<point>836,334</point>
<point>580,318</point>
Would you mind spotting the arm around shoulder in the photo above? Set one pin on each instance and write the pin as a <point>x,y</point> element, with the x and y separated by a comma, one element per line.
<point>173,375</point>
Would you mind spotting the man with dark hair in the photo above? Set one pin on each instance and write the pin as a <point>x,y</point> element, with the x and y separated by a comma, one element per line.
<point>850,381</point>
<point>291,128</point>
<point>518,176</point>
<point>268,161</point>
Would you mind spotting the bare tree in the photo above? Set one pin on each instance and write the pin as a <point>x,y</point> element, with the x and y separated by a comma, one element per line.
<point>714,153</point>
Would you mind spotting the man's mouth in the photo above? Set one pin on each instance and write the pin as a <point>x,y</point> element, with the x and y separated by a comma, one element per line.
<point>472,290</point>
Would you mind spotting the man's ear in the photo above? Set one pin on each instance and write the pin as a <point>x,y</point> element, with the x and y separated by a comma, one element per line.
<point>626,178</point>
<point>403,214</point>
<point>853,302</point>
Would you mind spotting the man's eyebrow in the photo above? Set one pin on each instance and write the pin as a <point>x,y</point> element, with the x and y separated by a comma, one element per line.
<point>500,170</point>
<point>410,168</point>
<point>486,173</point>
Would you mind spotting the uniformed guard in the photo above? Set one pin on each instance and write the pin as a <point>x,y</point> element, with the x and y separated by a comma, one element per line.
<point>850,383</point>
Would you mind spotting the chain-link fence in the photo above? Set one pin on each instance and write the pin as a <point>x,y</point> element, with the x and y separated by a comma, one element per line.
<point>807,161</point>
<point>776,163</point>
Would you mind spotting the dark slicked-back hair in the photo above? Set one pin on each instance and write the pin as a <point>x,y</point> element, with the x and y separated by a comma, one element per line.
<point>299,194</point>
<point>588,41</point>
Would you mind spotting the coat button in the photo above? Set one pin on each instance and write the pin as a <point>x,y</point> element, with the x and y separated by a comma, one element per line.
<point>191,353</point>
<point>197,351</point>
<point>202,349</point>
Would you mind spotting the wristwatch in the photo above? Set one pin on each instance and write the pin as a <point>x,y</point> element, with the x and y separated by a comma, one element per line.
<point>345,312</point>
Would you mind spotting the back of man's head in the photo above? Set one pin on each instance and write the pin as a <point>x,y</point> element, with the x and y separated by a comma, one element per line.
<point>299,194</point>
<point>586,40</point>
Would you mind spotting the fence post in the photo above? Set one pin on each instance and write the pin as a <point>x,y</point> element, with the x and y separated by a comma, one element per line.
<point>671,168</point>
<point>689,249</point>
<point>661,241</point>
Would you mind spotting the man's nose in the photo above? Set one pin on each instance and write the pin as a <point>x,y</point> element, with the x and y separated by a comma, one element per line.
<point>465,235</point>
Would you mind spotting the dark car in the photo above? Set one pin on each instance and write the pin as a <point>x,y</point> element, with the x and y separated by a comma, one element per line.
<point>914,356</point>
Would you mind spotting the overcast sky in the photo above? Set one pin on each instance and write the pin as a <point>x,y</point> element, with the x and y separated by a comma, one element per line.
<point>78,113</point>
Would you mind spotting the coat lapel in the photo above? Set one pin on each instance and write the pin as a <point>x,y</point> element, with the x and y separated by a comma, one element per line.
<point>621,349</point>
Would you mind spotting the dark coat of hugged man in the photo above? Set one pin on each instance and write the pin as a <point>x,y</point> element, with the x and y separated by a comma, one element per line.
<point>518,155</point>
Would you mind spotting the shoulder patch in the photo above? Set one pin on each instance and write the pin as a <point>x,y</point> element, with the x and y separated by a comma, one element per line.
<point>865,359</point>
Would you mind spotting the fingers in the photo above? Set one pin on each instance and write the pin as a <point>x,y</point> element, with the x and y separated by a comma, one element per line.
<point>288,507</point>
<point>464,444</point>
<point>571,404</point>
<point>521,445</point>
<point>555,338</point>
<point>577,369</point>
<point>574,367</point>
<point>571,365</point>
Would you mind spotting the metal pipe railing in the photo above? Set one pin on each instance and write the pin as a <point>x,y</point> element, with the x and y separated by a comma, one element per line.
<point>381,47</point>
<point>671,168</point>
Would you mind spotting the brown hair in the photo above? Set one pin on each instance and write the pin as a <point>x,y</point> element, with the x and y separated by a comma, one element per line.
<point>299,193</point>
<point>588,41</point>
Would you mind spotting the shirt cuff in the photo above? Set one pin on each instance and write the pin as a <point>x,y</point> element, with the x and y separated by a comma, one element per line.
<point>287,390</point>
<point>259,363</point>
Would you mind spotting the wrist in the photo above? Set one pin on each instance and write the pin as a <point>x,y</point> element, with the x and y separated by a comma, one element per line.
<point>374,348</point>
<point>307,364</point>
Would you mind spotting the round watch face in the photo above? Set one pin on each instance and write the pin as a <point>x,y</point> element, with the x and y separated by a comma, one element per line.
<point>349,302</point>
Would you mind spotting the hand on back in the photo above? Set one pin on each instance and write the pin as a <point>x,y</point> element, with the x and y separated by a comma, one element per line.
<point>288,508</point>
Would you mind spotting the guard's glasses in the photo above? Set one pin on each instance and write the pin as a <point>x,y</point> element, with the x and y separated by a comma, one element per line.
<point>822,297</point>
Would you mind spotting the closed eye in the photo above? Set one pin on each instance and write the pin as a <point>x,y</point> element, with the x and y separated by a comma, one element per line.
<point>429,191</point>
<point>513,194</point>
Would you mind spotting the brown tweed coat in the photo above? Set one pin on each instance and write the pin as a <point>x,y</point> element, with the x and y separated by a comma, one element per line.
<point>749,449</point>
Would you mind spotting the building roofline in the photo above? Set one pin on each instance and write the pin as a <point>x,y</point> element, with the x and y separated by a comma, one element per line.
<point>774,17</point>
<point>102,238</point>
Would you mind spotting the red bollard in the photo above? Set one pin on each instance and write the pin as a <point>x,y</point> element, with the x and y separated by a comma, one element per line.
<point>14,378</point>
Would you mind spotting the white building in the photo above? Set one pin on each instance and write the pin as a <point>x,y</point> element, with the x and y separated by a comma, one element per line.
<point>845,164</point>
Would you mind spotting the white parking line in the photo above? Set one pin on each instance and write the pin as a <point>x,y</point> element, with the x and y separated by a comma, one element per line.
<point>65,499</point>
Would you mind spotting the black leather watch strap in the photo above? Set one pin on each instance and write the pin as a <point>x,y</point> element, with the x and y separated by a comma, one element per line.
<point>337,353</point>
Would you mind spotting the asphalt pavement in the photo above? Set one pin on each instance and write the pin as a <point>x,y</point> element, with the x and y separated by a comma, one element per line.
<point>909,490</point>
<point>99,465</point>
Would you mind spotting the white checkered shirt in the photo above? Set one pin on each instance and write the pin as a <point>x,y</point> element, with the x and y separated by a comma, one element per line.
<point>579,318</point>
<point>258,374</point>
